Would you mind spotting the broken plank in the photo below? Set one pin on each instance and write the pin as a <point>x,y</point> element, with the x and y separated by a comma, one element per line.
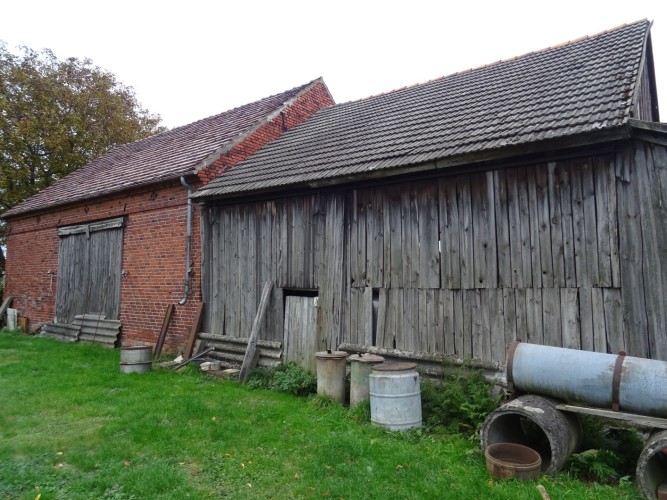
<point>163,331</point>
<point>250,357</point>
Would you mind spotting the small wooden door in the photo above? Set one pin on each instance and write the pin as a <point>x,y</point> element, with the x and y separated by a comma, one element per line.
<point>89,269</point>
<point>300,330</point>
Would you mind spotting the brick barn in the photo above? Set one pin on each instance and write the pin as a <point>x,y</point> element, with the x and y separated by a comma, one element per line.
<point>111,237</point>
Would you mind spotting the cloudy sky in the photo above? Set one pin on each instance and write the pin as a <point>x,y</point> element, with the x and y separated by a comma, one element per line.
<point>188,60</point>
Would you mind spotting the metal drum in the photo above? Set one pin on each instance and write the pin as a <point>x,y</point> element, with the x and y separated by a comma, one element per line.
<point>361,366</point>
<point>395,396</point>
<point>331,366</point>
<point>138,359</point>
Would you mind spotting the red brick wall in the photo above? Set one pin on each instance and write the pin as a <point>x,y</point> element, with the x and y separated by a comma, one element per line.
<point>154,241</point>
<point>305,106</point>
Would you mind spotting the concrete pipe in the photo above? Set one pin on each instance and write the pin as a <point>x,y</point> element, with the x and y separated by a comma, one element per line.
<point>535,422</point>
<point>652,466</point>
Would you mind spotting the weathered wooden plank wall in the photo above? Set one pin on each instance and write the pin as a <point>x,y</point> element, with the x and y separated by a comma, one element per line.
<point>89,270</point>
<point>568,253</point>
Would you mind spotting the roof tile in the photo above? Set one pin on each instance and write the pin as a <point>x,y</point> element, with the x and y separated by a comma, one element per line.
<point>164,156</point>
<point>577,87</point>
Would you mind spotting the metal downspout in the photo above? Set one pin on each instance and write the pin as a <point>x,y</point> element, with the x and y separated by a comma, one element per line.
<point>188,269</point>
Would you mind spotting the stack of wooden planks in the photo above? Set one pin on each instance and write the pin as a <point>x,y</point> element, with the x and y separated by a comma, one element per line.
<point>89,327</point>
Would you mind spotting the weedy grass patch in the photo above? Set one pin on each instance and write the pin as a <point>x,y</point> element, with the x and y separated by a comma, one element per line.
<point>73,427</point>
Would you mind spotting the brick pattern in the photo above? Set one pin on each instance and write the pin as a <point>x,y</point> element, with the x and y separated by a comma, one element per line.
<point>306,106</point>
<point>154,242</point>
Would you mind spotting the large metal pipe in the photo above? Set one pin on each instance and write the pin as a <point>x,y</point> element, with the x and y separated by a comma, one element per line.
<point>620,382</point>
<point>188,230</point>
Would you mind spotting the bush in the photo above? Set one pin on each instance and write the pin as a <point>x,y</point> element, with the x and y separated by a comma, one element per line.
<point>288,377</point>
<point>458,402</point>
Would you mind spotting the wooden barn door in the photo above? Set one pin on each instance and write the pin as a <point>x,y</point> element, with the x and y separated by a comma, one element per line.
<point>89,270</point>
<point>300,330</point>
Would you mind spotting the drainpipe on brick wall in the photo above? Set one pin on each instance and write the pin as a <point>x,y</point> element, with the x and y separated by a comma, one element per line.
<point>188,269</point>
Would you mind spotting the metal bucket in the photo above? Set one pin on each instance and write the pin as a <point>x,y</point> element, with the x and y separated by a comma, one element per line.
<point>513,461</point>
<point>361,366</point>
<point>138,359</point>
<point>331,374</point>
<point>395,396</point>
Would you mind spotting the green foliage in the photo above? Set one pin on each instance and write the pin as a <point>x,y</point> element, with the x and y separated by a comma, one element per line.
<point>56,116</point>
<point>458,402</point>
<point>288,377</point>
<point>595,465</point>
<point>609,454</point>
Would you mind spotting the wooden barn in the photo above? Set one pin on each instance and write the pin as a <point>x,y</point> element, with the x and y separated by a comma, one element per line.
<point>526,199</point>
<point>119,238</point>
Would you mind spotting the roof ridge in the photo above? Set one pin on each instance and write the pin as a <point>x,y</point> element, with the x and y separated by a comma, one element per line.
<point>298,88</point>
<point>501,61</point>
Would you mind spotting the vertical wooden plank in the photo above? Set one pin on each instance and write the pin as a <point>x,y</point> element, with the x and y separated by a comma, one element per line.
<point>567,224</point>
<point>569,310</point>
<point>533,214</point>
<point>630,232</point>
<point>381,327</point>
<point>602,222</point>
<point>521,314</point>
<point>434,322</point>
<point>551,317</point>
<point>449,233</point>
<point>408,263</point>
<point>653,229</point>
<point>481,326</point>
<point>544,225</point>
<point>428,242</point>
<point>484,241</point>
<point>468,298</point>
<point>555,217</point>
<point>617,339</point>
<point>446,301</point>
<point>600,343</point>
<point>586,320</point>
<point>534,319</point>
<point>657,164</point>
<point>393,222</point>
<point>375,239</point>
<point>590,222</point>
<point>514,228</point>
<point>510,319</point>
<point>466,231</point>
<point>612,215</point>
<point>422,343</point>
<point>459,329</point>
<point>579,225</point>
<point>504,253</point>
<point>525,229</point>
<point>496,324</point>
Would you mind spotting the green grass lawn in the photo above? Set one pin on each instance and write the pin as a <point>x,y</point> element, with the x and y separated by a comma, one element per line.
<point>72,426</point>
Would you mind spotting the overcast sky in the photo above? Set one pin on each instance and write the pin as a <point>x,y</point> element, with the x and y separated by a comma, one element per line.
<point>189,60</point>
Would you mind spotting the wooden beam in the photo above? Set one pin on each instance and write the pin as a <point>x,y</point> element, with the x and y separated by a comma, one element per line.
<point>639,420</point>
<point>163,331</point>
<point>250,359</point>
<point>190,342</point>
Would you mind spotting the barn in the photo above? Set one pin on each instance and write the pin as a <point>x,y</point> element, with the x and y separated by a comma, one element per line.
<point>119,237</point>
<point>524,200</point>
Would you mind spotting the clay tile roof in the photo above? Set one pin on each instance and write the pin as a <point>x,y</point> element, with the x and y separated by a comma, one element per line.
<point>574,88</point>
<point>162,157</point>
